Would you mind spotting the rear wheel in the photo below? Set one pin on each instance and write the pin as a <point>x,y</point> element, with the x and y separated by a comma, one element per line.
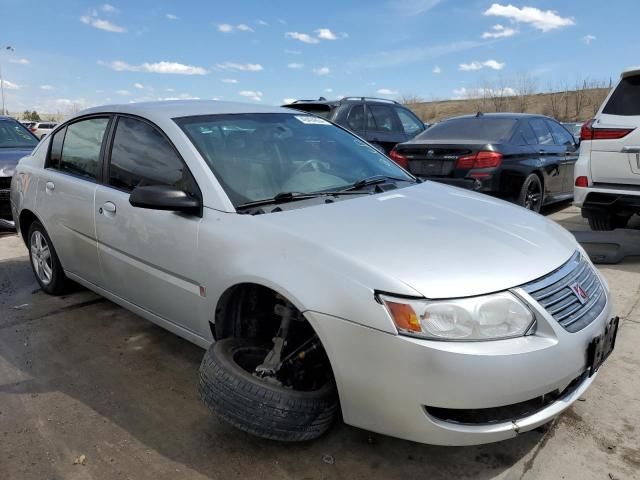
<point>603,221</point>
<point>231,386</point>
<point>44,261</point>
<point>531,194</point>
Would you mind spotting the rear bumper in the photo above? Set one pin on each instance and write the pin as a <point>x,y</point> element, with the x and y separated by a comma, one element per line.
<point>608,197</point>
<point>488,184</point>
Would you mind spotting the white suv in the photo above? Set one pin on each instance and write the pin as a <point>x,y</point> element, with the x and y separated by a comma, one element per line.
<point>607,174</point>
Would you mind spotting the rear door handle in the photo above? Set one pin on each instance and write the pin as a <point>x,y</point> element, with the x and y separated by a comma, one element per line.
<point>108,207</point>
<point>50,186</point>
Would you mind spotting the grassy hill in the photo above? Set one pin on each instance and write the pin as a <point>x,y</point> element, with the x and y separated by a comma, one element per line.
<point>575,105</point>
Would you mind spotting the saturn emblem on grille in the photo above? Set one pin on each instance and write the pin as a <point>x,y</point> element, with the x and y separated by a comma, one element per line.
<point>578,291</point>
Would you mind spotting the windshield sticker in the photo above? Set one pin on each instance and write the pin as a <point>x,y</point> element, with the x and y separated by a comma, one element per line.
<point>309,120</point>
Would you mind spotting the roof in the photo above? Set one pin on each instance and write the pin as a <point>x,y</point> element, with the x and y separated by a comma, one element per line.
<point>501,115</point>
<point>344,100</point>
<point>627,72</point>
<point>182,108</point>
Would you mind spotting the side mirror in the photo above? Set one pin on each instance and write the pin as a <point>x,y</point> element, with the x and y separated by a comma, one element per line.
<point>162,197</point>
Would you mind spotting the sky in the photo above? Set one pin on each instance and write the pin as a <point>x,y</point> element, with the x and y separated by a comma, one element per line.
<point>72,54</point>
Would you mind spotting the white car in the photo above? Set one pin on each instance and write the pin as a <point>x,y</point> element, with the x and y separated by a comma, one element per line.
<point>607,174</point>
<point>40,129</point>
<point>319,275</point>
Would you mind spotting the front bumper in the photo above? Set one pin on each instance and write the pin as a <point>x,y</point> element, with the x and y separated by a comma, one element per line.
<point>387,383</point>
<point>6,220</point>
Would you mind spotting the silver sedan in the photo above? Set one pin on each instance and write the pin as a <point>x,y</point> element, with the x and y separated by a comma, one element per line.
<point>318,275</point>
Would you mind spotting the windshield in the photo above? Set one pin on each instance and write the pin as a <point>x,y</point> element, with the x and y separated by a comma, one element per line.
<point>257,156</point>
<point>14,135</point>
<point>471,128</point>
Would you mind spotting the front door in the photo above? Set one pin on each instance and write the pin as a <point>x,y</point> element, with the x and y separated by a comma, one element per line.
<point>148,257</point>
<point>550,155</point>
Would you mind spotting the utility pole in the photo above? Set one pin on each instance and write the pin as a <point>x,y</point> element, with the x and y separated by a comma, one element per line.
<point>4,110</point>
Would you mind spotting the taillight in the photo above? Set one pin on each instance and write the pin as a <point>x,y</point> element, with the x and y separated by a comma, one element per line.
<point>33,129</point>
<point>483,159</point>
<point>587,132</point>
<point>399,159</point>
<point>582,181</point>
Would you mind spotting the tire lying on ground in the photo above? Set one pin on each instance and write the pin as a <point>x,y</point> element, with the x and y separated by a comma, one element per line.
<point>256,405</point>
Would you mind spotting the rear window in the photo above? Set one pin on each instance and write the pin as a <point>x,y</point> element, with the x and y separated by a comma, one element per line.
<point>625,100</point>
<point>471,128</point>
<point>320,110</point>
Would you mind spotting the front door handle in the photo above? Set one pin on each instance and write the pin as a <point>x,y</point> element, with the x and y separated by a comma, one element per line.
<point>109,208</point>
<point>50,186</point>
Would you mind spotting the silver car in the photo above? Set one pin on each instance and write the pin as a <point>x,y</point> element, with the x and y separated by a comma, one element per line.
<point>318,275</point>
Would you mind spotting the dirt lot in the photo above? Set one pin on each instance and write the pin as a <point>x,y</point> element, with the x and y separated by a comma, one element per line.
<point>88,390</point>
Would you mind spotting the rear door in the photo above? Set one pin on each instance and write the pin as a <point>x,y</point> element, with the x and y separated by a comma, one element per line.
<point>383,126</point>
<point>148,257</point>
<point>551,156</point>
<point>66,192</point>
<point>617,160</point>
<point>564,139</point>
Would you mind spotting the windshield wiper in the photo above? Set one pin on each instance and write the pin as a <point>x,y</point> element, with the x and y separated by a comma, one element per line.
<point>375,180</point>
<point>284,197</point>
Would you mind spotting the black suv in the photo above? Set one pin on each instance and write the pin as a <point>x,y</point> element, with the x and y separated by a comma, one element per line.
<point>381,122</point>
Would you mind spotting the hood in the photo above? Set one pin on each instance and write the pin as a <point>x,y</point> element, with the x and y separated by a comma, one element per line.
<point>9,159</point>
<point>441,241</point>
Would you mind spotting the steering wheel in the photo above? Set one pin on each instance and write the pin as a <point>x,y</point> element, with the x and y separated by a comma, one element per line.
<point>313,164</point>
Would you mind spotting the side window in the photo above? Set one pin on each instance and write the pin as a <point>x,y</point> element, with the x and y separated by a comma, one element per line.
<point>355,119</point>
<point>81,148</point>
<point>541,131</point>
<point>560,134</point>
<point>527,137</point>
<point>142,156</point>
<point>385,119</point>
<point>411,125</point>
<point>56,148</point>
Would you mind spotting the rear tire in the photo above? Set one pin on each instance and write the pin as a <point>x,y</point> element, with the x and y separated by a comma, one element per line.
<point>44,261</point>
<point>604,221</point>
<point>531,194</point>
<point>257,406</point>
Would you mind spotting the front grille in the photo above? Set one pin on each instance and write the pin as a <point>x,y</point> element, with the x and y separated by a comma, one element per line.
<point>5,183</point>
<point>554,293</point>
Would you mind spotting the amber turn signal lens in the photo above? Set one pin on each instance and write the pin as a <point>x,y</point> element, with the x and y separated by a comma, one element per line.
<point>404,316</point>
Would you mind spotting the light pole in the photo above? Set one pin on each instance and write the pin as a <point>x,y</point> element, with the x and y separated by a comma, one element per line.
<point>10,49</point>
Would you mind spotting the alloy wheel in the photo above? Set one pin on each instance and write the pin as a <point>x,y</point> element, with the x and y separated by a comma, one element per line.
<point>41,258</point>
<point>533,197</point>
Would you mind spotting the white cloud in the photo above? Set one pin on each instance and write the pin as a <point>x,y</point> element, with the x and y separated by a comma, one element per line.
<point>410,8</point>
<point>109,8</point>
<point>124,93</point>
<point>493,64</point>
<point>295,66</point>
<point>228,28</point>
<point>46,87</point>
<point>229,80</point>
<point>138,85</point>
<point>252,94</point>
<point>157,67</point>
<point>545,20</point>
<point>281,21</point>
<point>10,85</point>
<point>242,67</point>
<point>293,52</point>
<point>322,71</point>
<point>588,39</point>
<point>463,93</point>
<point>171,16</point>
<point>499,31</point>
<point>20,61</point>
<point>386,91</point>
<point>262,22</point>
<point>303,37</point>
<point>101,24</point>
<point>288,100</point>
<point>328,90</point>
<point>437,69</point>
<point>326,34</point>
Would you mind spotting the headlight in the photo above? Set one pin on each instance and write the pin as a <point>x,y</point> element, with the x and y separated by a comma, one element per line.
<point>489,317</point>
